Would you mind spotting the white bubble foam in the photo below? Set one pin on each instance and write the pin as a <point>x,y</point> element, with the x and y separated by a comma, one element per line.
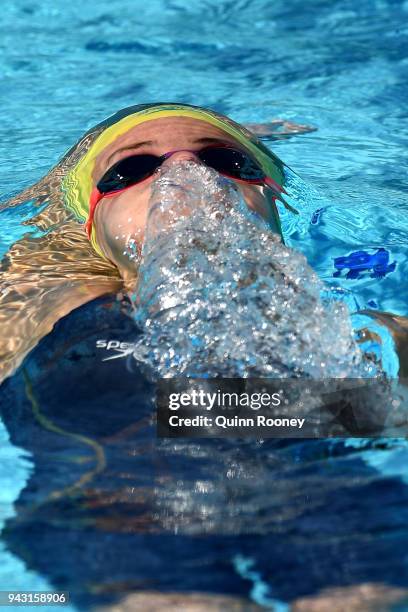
<point>220,295</point>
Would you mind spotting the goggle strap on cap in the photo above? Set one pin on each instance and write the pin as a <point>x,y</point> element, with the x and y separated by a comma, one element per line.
<point>95,197</point>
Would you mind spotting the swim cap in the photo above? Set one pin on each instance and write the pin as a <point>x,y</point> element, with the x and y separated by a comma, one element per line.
<point>77,184</point>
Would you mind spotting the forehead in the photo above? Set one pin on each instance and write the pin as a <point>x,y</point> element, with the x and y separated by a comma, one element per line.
<point>163,132</point>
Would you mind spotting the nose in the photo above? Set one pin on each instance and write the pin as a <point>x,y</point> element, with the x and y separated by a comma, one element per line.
<point>181,155</point>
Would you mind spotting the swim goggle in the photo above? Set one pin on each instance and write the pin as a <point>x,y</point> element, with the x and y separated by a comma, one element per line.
<point>228,161</point>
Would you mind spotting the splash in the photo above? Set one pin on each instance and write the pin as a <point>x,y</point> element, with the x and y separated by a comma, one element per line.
<point>218,293</point>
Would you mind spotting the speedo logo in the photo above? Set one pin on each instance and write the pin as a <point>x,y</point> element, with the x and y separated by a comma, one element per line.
<point>121,349</point>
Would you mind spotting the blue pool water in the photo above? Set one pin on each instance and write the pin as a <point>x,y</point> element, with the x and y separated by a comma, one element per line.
<point>272,521</point>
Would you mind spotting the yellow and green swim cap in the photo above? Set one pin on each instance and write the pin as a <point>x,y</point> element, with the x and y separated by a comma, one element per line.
<point>78,185</point>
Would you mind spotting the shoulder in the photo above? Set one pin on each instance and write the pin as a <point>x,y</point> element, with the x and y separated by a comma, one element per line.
<point>390,333</point>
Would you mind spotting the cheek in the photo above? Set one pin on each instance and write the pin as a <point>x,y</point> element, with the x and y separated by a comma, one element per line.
<point>121,218</point>
<point>255,200</point>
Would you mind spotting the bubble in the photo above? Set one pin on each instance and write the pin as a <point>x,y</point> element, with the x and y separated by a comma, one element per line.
<point>218,294</point>
<point>133,247</point>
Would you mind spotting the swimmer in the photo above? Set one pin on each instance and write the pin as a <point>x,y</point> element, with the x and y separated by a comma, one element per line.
<point>96,199</point>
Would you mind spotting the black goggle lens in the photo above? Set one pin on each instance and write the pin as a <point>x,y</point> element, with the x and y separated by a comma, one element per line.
<point>127,172</point>
<point>232,163</point>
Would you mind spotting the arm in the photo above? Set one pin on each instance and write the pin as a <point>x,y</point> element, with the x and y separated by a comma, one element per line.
<point>278,129</point>
<point>398,326</point>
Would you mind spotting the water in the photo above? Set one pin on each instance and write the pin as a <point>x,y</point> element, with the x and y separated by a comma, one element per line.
<point>218,293</point>
<point>286,520</point>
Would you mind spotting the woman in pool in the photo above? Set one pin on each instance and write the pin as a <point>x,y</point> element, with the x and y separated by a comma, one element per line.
<point>102,185</point>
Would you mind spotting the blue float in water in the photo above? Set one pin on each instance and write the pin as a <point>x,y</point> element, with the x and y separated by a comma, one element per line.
<point>359,262</point>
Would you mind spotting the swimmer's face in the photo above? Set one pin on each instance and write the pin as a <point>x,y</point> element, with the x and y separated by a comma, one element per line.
<point>120,217</point>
